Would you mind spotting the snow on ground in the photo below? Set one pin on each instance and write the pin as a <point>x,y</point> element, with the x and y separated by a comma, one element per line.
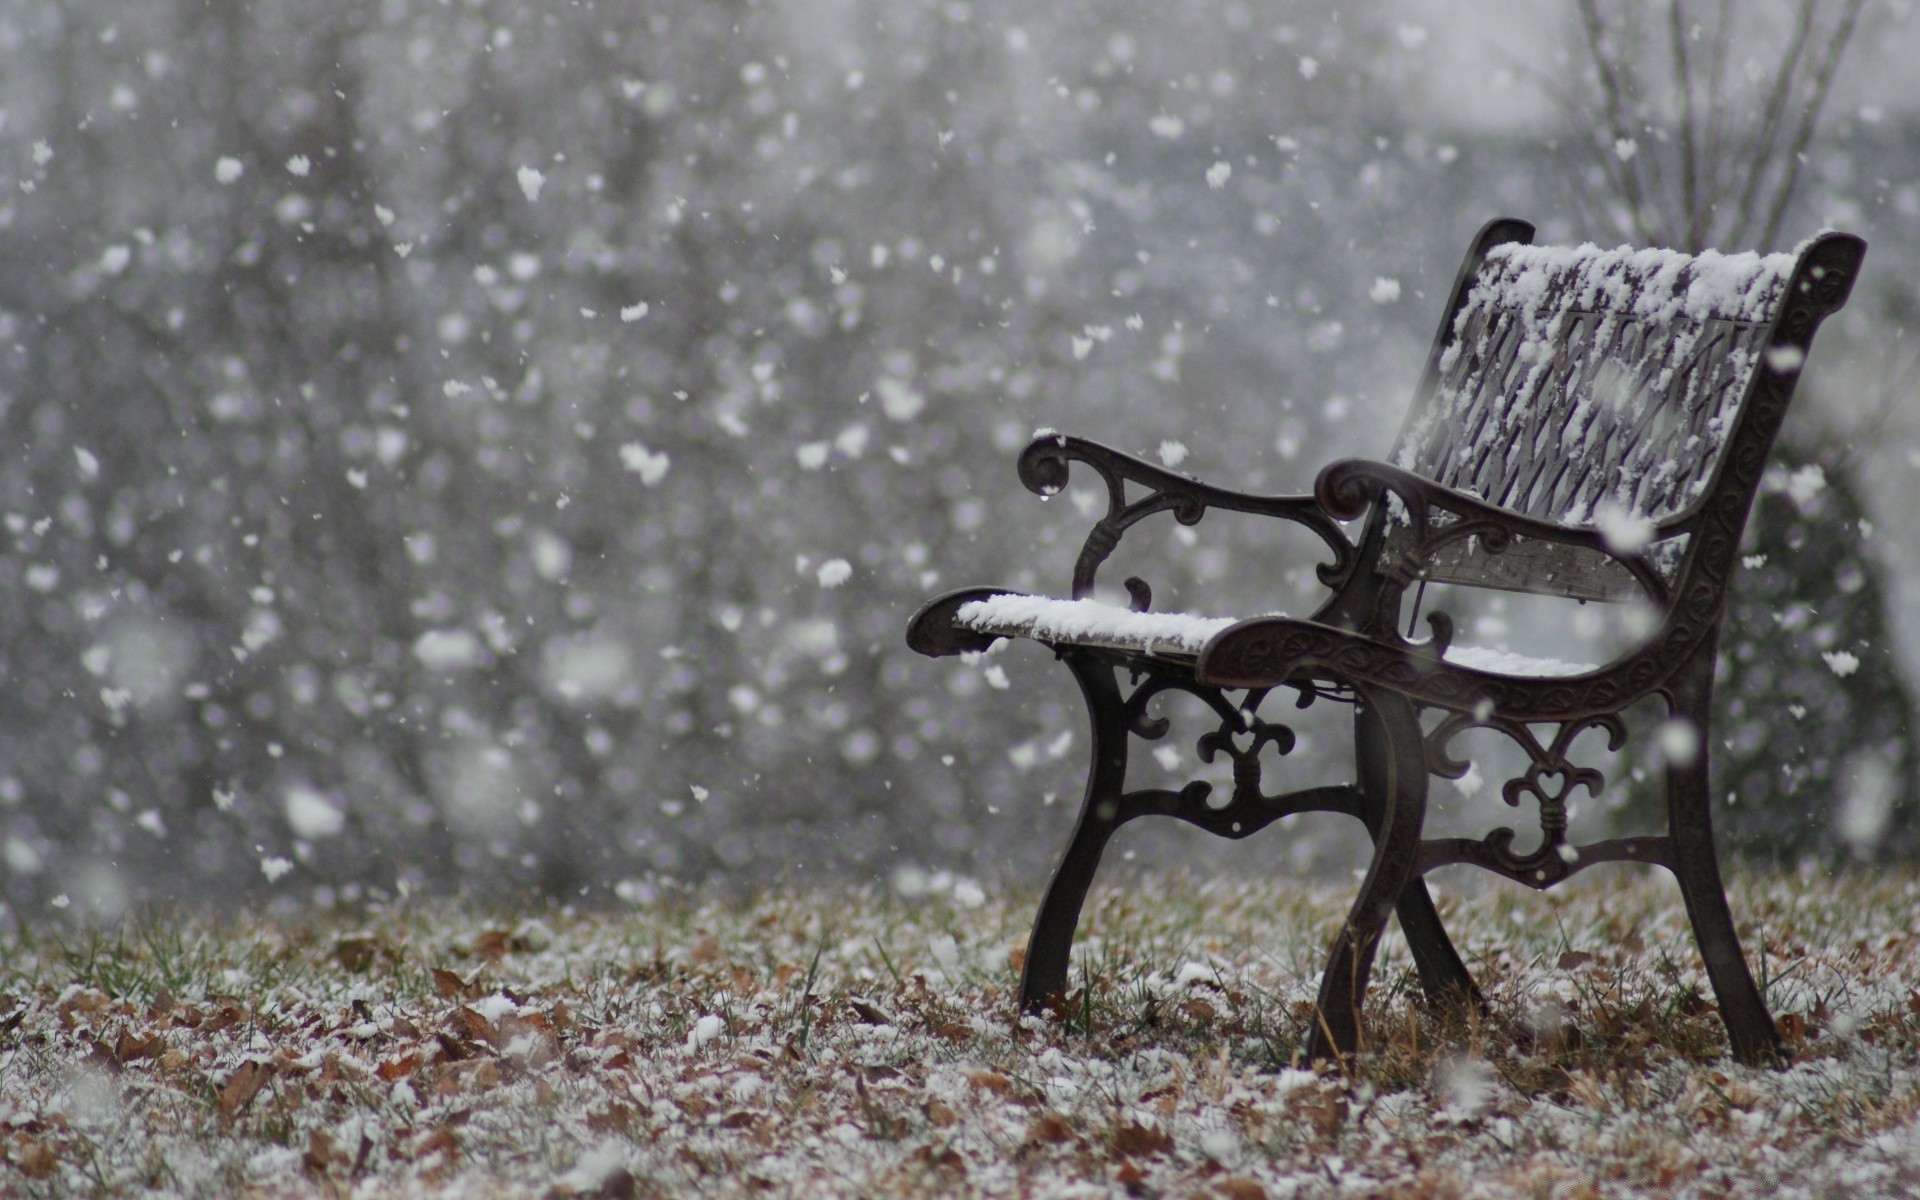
<point>862,1043</point>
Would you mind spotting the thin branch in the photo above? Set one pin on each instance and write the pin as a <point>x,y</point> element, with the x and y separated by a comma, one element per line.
<point>1809,117</point>
<point>1683,77</point>
<point>1714,141</point>
<point>1764,146</point>
<point>1614,91</point>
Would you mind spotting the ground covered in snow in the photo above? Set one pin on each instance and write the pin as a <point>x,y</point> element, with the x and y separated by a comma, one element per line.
<point>862,1043</point>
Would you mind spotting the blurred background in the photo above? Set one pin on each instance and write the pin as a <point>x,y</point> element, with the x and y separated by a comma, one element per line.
<point>456,444</point>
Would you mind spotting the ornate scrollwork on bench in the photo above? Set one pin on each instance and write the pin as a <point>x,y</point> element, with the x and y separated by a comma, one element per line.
<point>1241,736</point>
<point>1045,463</point>
<point>1550,778</point>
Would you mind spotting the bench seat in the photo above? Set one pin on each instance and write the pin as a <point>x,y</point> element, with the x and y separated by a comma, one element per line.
<point>1182,635</point>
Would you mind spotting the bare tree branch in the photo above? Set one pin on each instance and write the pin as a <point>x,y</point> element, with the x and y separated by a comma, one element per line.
<point>1609,67</point>
<point>1764,146</point>
<point>1836,47</point>
<point>1683,77</point>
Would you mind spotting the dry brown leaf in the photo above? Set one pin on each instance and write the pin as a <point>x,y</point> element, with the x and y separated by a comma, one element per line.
<point>131,1047</point>
<point>319,1155</point>
<point>868,1013</point>
<point>614,1118</point>
<point>1574,958</point>
<point>1198,1008</point>
<point>946,1159</point>
<point>941,1116</point>
<point>704,949</point>
<point>1239,1187</point>
<point>357,953</point>
<point>493,944</point>
<point>441,1139</point>
<point>243,1085</point>
<point>990,1081</point>
<point>1135,1139</point>
<point>1049,1128</point>
<point>36,1159</point>
<point>452,986</point>
<point>390,1069</point>
<point>473,1025</point>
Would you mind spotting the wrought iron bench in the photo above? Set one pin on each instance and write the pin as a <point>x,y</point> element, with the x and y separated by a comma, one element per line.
<point>1590,424</point>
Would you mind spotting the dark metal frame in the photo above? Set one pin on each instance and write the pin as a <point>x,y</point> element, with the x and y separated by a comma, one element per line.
<point>1351,651</point>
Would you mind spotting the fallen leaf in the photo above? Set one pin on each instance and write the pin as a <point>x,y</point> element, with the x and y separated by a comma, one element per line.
<point>1574,958</point>
<point>1050,1129</point>
<point>441,1139</point>
<point>390,1069</point>
<point>36,1159</point>
<point>947,1159</point>
<point>1132,1138</point>
<point>452,986</point>
<point>473,1025</point>
<point>243,1085</point>
<point>990,1081</point>
<point>1239,1187</point>
<point>868,1013</point>
<point>357,953</point>
<point>131,1047</point>
<point>1793,1028</point>
<point>493,944</point>
<point>319,1155</point>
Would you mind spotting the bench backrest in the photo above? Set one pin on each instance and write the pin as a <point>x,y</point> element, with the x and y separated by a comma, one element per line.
<point>1583,387</point>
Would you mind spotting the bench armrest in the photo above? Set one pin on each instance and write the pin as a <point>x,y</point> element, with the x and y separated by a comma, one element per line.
<point>1346,488</point>
<point>1045,462</point>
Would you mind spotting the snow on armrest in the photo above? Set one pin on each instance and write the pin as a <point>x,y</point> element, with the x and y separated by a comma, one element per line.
<point>1090,623</point>
<point>1505,662</point>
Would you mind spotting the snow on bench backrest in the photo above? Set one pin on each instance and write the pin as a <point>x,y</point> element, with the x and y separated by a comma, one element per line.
<point>1582,386</point>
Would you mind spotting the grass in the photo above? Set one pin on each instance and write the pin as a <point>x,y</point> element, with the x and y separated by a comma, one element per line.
<point>855,1043</point>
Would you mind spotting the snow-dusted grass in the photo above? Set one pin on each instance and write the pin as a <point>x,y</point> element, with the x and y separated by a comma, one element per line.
<point>854,1043</point>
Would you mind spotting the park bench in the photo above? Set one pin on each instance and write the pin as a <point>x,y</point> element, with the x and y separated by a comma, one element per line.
<point>1590,425</point>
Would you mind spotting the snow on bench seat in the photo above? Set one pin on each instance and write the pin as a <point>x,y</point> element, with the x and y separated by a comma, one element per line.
<point>1091,623</point>
<point>1097,623</point>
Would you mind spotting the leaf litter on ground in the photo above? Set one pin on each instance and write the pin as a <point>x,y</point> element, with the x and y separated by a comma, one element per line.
<point>834,1043</point>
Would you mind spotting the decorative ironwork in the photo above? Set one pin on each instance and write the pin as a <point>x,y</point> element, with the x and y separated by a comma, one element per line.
<point>1241,736</point>
<point>1044,467</point>
<point>1550,778</point>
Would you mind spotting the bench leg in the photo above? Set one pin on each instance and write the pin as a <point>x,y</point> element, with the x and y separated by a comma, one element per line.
<point>1043,978</point>
<point>1443,976</point>
<point>1393,777</point>
<point>1750,1027</point>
